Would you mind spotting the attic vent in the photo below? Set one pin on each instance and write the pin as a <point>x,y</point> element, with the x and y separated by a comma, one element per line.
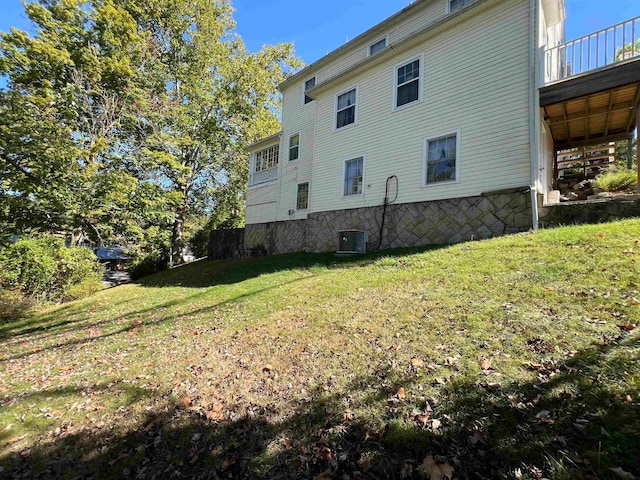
<point>352,241</point>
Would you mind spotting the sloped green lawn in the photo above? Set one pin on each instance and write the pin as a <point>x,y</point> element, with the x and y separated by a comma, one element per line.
<point>510,358</point>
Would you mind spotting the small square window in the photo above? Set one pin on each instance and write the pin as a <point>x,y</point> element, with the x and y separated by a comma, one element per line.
<point>346,108</point>
<point>408,83</point>
<point>308,85</point>
<point>353,174</point>
<point>294,147</point>
<point>441,159</point>
<point>455,5</point>
<point>302,202</point>
<point>377,46</point>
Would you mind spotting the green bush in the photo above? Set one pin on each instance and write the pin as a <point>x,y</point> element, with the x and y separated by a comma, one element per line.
<point>45,270</point>
<point>143,265</point>
<point>617,180</point>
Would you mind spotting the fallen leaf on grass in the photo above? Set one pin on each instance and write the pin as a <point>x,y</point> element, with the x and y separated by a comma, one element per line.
<point>184,402</point>
<point>485,364</point>
<point>436,471</point>
<point>326,475</point>
<point>416,362</point>
<point>627,328</point>
<point>401,393</point>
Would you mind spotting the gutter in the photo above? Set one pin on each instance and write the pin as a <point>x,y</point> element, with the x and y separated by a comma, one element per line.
<point>534,110</point>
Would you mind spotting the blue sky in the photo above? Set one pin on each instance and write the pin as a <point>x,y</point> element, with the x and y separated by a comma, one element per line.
<point>316,28</point>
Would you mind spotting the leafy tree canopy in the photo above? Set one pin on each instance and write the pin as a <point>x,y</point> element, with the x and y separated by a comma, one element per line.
<point>124,119</point>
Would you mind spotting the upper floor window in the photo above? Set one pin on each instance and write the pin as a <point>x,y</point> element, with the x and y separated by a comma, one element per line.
<point>455,5</point>
<point>377,46</point>
<point>294,147</point>
<point>408,82</point>
<point>302,200</point>
<point>264,165</point>
<point>346,108</point>
<point>353,174</point>
<point>442,159</point>
<point>308,85</point>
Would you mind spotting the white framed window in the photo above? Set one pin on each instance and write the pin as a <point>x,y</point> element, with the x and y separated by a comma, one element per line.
<point>346,108</point>
<point>308,85</point>
<point>441,162</point>
<point>377,46</point>
<point>408,83</point>
<point>455,5</point>
<point>302,199</point>
<point>353,176</point>
<point>294,147</point>
<point>264,165</point>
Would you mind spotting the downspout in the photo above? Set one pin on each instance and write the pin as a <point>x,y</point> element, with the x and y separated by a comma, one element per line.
<point>534,109</point>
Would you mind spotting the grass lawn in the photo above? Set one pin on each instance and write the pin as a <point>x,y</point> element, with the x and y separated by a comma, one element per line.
<point>515,357</point>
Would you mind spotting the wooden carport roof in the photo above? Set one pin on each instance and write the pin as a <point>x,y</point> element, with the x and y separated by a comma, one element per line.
<point>595,107</point>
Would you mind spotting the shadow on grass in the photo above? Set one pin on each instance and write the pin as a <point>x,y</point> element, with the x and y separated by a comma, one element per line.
<point>198,276</point>
<point>569,423</point>
<point>130,321</point>
<point>205,273</point>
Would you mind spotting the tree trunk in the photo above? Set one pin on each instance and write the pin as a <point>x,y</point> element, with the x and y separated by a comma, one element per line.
<point>177,236</point>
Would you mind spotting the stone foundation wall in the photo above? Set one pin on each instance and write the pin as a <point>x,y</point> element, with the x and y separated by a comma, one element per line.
<point>255,236</point>
<point>590,211</point>
<point>406,225</point>
<point>286,237</point>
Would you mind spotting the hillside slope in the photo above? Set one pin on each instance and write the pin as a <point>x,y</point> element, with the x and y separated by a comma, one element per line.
<point>516,357</point>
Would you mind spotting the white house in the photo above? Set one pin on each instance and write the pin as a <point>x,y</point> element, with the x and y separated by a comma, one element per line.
<point>429,128</point>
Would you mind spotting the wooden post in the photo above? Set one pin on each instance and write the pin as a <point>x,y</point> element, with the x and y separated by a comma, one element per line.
<point>555,168</point>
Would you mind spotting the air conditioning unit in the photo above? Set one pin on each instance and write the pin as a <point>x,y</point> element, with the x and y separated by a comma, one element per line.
<point>352,241</point>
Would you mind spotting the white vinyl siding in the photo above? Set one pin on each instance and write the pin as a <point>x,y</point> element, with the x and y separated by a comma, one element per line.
<point>490,51</point>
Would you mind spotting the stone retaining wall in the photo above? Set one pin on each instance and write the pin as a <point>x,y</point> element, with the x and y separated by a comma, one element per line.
<point>406,225</point>
<point>589,211</point>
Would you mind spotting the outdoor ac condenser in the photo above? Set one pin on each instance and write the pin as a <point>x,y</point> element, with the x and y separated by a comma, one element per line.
<point>352,241</point>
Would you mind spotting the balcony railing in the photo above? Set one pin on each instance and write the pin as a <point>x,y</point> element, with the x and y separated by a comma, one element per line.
<point>597,50</point>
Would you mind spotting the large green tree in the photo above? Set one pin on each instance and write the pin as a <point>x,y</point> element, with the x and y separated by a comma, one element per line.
<point>125,117</point>
<point>208,98</point>
<point>71,91</point>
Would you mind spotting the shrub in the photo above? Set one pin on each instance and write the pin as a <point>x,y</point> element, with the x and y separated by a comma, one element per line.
<point>147,264</point>
<point>45,270</point>
<point>617,180</point>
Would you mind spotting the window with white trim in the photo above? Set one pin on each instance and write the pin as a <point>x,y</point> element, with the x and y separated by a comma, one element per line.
<point>264,165</point>
<point>408,83</point>
<point>455,5</point>
<point>308,85</point>
<point>346,108</point>
<point>441,159</point>
<point>294,147</point>
<point>377,46</point>
<point>302,200</point>
<point>353,175</point>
